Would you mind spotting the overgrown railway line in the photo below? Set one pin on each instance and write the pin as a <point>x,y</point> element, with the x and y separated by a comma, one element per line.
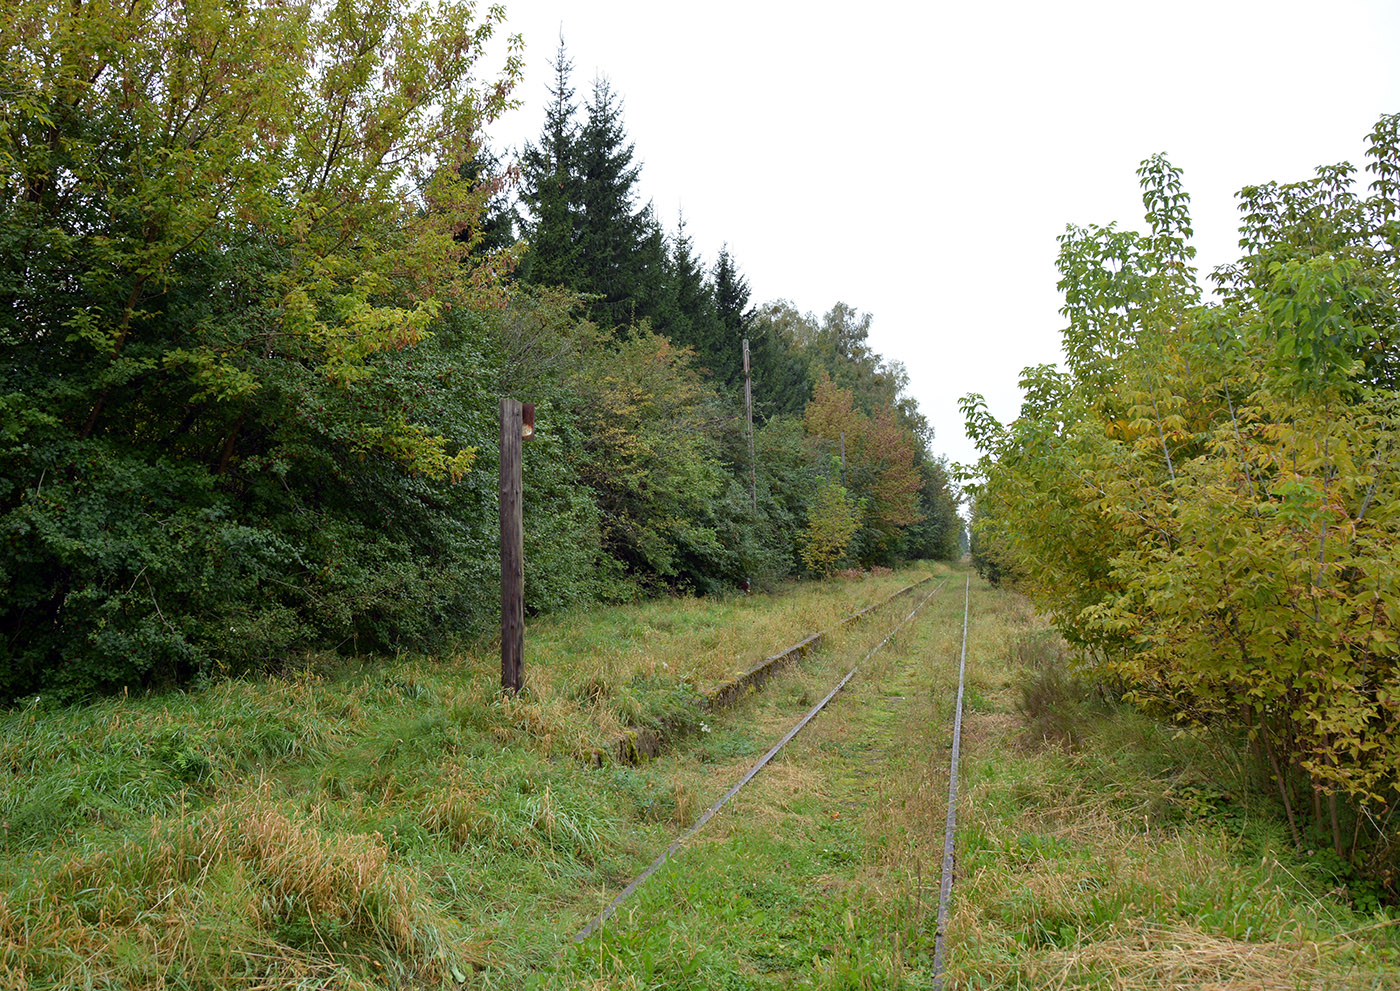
<point>947,868</point>
<point>637,743</point>
<point>821,872</point>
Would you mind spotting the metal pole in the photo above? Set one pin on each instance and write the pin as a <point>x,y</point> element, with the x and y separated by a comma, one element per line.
<point>512,551</point>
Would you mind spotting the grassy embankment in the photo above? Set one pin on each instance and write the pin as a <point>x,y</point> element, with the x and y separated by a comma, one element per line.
<point>363,825</point>
<point>402,826</point>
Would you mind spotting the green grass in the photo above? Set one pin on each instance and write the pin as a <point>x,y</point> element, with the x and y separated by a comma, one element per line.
<point>385,823</point>
<point>399,824</point>
<point>1102,849</point>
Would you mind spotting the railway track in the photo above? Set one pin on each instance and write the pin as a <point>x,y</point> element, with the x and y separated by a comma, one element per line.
<point>945,883</point>
<point>638,744</point>
<point>676,846</point>
<point>823,873</point>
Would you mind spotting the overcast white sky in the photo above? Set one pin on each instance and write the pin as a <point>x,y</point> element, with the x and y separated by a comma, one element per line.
<point>917,161</point>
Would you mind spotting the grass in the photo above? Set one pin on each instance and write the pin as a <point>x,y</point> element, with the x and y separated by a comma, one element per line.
<point>1101,849</point>
<point>399,824</point>
<point>821,873</point>
<point>391,823</point>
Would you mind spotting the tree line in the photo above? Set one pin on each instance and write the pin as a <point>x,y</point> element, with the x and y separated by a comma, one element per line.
<point>263,285</point>
<point>1206,499</point>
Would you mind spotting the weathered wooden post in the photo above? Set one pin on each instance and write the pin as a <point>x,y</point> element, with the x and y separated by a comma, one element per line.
<point>517,425</point>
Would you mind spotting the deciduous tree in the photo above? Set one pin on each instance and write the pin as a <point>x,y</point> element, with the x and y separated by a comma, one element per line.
<point>217,223</point>
<point>1207,500</point>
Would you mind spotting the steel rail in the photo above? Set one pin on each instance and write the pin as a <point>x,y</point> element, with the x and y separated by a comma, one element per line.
<point>627,892</point>
<point>727,691</point>
<point>945,887</point>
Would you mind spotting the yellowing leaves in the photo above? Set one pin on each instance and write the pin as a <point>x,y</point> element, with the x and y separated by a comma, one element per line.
<point>416,450</point>
<point>879,455</point>
<point>1219,523</point>
<point>832,520</point>
<point>214,376</point>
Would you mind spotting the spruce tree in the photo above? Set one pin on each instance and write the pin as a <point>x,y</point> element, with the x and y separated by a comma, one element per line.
<point>731,295</point>
<point>651,296</point>
<point>692,318</point>
<point>550,189</point>
<point>585,229</point>
<point>733,317</point>
<point>612,232</point>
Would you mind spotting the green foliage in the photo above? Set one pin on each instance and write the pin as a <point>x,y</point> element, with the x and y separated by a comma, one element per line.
<point>1207,501</point>
<point>650,459</point>
<point>988,567</point>
<point>226,236</point>
<point>937,533</point>
<point>256,316</point>
<point>832,520</point>
<point>692,318</point>
<point>840,345</point>
<point>783,376</point>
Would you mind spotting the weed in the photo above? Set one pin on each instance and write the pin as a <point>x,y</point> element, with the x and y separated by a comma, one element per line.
<point>1054,705</point>
<point>651,800</point>
<point>183,757</point>
<point>1037,647</point>
<point>727,744</point>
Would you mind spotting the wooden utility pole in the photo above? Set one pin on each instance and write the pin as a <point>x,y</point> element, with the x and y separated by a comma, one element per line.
<point>748,416</point>
<point>512,548</point>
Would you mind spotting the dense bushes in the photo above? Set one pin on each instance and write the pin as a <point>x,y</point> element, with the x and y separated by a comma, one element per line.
<point>256,314</point>
<point>1207,500</point>
<point>218,441</point>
